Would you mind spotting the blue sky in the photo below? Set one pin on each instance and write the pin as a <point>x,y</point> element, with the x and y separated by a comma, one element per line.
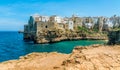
<point>15,13</point>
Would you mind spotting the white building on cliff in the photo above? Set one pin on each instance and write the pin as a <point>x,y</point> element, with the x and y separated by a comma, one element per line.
<point>70,25</point>
<point>56,19</point>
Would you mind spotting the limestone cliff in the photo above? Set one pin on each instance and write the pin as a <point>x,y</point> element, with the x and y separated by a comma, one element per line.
<point>48,36</point>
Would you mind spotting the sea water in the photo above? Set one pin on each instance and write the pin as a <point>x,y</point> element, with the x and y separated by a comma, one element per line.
<point>12,46</point>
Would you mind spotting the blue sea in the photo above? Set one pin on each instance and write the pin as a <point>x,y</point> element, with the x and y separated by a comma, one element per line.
<point>12,46</point>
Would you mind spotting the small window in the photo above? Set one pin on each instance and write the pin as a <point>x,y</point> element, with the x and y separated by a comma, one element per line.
<point>46,27</point>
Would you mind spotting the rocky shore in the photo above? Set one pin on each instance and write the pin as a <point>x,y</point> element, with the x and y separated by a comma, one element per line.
<point>53,40</point>
<point>95,57</point>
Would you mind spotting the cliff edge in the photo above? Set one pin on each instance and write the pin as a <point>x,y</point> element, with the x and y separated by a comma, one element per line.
<point>95,57</point>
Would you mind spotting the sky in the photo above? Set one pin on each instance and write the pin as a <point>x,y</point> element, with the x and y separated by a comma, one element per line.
<point>14,14</point>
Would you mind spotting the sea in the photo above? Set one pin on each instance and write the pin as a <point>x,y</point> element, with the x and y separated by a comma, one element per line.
<point>12,46</point>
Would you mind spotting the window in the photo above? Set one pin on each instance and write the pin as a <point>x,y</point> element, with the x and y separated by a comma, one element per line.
<point>46,26</point>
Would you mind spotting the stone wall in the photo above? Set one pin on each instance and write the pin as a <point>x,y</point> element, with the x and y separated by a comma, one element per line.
<point>44,25</point>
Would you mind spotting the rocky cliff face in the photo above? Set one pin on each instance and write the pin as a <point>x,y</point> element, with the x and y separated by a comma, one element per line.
<point>48,36</point>
<point>95,57</point>
<point>114,37</point>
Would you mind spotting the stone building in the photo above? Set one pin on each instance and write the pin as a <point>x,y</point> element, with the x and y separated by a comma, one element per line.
<point>42,28</point>
<point>95,19</point>
<point>116,21</point>
<point>70,25</point>
<point>56,19</point>
<point>39,23</point>
<point>88,22</point>
<point>100,23</point>
<point>44,18</point>
<point>107,25</point>
<point>77,21</point>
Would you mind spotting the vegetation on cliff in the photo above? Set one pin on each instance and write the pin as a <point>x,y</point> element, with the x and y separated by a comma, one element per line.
<point>92,32</point>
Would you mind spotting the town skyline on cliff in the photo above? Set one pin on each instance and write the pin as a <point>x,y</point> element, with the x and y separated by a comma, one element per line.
<point>14,14</point>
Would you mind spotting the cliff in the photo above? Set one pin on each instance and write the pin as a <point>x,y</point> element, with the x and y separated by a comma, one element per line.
<point>114,37</point>
<point>95,57</point>
<point>56,35</point>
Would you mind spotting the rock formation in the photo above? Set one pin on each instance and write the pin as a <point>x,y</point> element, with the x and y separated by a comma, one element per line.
<point>114,37</point>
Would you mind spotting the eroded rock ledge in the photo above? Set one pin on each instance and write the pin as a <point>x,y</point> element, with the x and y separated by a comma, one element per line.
<point>95,57</point>
<point>57,35</point>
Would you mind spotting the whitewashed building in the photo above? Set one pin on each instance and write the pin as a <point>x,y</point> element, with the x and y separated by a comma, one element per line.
<point>56,19</point>
<point>109,23</point>
<point>88,25</point>
<point>37,17</point>
<point>65,20</point>
<point>70,24</point>
<point>44,18</point>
